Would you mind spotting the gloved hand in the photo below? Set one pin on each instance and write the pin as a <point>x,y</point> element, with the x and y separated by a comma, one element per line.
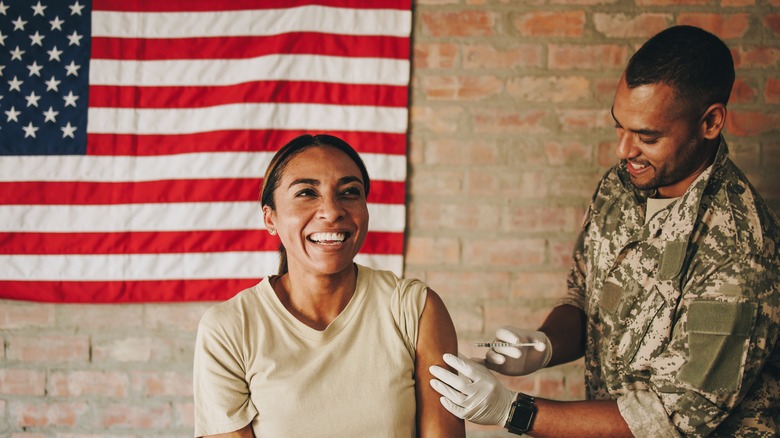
<point>474,395</point>
<point>519,361</point>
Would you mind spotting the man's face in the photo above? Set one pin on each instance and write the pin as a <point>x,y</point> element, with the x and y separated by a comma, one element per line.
<point>658,137</point>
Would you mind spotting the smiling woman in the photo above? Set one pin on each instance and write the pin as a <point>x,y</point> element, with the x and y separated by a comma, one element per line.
<point>326,347</point>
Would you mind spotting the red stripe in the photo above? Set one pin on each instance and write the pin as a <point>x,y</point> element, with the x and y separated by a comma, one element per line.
<point>124,291</point>
<point>236,140</point>
<point>238,5</point>
<point>168,242</point>
<point>203,190</point>
<point>256,92</point>
<point>244,47</point>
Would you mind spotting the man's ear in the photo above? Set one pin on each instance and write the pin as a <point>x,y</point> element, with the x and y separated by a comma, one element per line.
<point>713,121</point>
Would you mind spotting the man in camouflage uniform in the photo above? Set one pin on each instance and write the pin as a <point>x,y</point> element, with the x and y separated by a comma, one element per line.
<point>674,293</point>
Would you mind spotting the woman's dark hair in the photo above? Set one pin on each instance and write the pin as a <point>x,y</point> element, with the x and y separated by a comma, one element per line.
<point>696,63</point>
<point>273,173</point>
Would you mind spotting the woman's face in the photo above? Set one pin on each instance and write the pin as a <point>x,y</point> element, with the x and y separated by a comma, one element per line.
<point>321,213</point>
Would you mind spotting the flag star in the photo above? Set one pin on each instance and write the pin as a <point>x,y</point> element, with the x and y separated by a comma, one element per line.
<point>16,53</point>
<point>29,130</point>
<point>54,53</point>
<point>50,115</point>
<point>35,69</point>
<point>70,99</point>
<point>76,8</point>
<point>12,114</point>
<point>37,39</point>
<point>2,67</point>
<point>19,24</point>
<point>72,69</point>
<point>38,9</point>
<point>2,39</point>
<point>56,23</point>
<point>15,84</point>
<point>3,8</point>
<point>68,130</point>
<point>32,99</point>
<point>74,39</point>
<point>52,84</point>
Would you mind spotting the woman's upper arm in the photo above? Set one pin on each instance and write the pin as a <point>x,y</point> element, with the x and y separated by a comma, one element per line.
<point>436,336</point>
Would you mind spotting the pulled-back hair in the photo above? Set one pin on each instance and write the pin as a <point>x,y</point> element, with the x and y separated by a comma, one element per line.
<point>273,174</point>
<point>694,62</point>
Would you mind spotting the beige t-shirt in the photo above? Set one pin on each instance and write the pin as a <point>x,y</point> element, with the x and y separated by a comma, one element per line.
<point>255,362</point>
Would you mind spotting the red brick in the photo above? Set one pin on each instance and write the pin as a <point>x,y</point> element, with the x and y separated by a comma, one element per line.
<point>641,3</point>
<point>569,24</point>
<point>746,155</point>
<point>470,285</point>
<point>772,90</point>
<point>723,25</point>
<point>583,3</point>
<point>100,315</point>
<point>456,216</point>
<point>432,250</point>
<point>544,219</point>
<point>625,26</point>
<point>469,23</point>
<point>88,383</point>
<point>178,316</point>
<point>525,153</point>
<point>570,153</point>
<point>534,285</point>
<point>436,182</point>
<point>516,185</point>
<point>604,88</point>
<point>497,252</point>
<point>436,119</point>
<point>742,92</point>
<point>461,152</point>
<point>561,251</point>
<point>509,120</point>
<point>579,120</point>
<point>756,57</point>
<point>185,415</point>
<point>434,55</point>
<point>134,349</point>
<point>549,89</point>
<point>51,414</point>
<point>162,383</point>
<point>48,348</point>
<point>750,123</point>
<point>771,155</point>
<point>16,315</point>
<point>147,416</point>
<point>467,318</point>
<point>574,185</point>
<point>480,56</point>
<point>596,57</point>
<point>772,22</point>
<point>463,88</point>
<point>22,382</point>
<point>516,313</point>
<point>607,154</point>
<point>416,151</point>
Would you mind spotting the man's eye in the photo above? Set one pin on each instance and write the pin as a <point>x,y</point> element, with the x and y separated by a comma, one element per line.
<point>648,140</point>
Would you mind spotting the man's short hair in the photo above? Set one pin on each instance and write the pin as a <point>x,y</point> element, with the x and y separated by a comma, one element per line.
<point>694,62</point>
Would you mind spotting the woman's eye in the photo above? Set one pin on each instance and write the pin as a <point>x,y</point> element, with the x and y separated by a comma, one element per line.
<point>352,191</point>
<point>305,193</point>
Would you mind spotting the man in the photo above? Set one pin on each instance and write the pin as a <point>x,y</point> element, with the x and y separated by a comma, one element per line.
<point>674,293</point>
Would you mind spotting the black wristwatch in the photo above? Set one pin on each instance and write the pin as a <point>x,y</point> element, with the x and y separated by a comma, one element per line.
<point>521,415</point>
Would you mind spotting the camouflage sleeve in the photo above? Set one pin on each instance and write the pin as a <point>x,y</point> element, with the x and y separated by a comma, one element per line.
<point>723,335</point>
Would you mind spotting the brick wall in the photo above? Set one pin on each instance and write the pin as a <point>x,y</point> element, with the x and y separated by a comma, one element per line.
<point>510,130</point>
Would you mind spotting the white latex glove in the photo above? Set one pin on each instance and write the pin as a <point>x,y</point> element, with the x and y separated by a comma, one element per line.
<point>474,395</point>
<point>519,361</point>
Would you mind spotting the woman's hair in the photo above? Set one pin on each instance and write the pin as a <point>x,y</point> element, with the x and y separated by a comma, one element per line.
<point>696,63</point>
<point>273,174</point>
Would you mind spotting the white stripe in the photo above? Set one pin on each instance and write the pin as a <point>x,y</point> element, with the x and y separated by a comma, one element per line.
<point>184,216</point>
<point>188,266</point>
<point>247,116</point>
<point>381,167</point>
<point>214,72</point>
<point>252,22</point>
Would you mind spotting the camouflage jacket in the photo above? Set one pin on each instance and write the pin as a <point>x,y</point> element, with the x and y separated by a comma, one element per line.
<point>683,312</point>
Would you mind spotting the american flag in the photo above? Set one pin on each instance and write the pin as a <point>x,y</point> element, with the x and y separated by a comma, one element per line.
<point>134,135</point>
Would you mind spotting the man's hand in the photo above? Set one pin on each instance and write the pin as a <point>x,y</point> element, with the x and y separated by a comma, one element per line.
<point>474,395</point>
<point>519,361</point>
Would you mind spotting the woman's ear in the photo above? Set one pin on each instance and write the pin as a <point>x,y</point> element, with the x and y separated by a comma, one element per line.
<point>713,121</point>
<point>268,219</point>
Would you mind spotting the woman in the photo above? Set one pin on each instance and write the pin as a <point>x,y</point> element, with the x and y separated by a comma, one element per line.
<point>327,348</point>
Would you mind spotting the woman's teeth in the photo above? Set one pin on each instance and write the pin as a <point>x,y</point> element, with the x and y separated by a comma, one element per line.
<point>327,237</point>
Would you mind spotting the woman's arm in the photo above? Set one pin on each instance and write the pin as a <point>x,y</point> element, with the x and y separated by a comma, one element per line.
<point>435,337</point>
<point>245,432</point>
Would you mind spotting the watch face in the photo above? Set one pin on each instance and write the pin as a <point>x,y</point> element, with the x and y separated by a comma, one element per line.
<point>522,418</point>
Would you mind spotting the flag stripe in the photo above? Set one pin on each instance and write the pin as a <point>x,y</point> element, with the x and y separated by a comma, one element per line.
<point>210,5</point>
<point>251,92</point>
<point>265,21</point>
<point>162,73</point>
<point>240,47</point>
<point>200,190</point>
<point>161,217</point>
<point>168,242</point>
<point>233,140</point>
<point>381,167</point>
<point>129,267</point>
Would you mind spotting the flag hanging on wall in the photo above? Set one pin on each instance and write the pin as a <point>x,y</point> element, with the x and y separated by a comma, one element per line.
<point>134,135</point>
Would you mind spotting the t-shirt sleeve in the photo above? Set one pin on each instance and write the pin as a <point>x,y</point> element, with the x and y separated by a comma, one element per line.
<point>409,303</point>
<point>221,392</point>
